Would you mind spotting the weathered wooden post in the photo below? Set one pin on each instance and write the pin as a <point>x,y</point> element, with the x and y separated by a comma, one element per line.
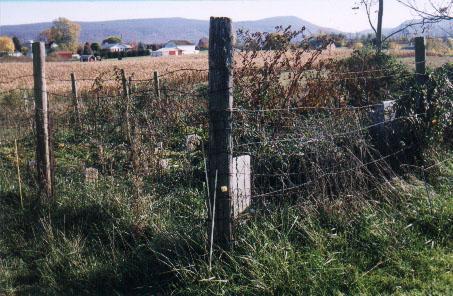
<point>156,84</point>
<point>420,59</point>
<point>420,68</point>
<point>43,147</point>
<point>220,124</point>
<point>75,101</point>
<point>126,98</point>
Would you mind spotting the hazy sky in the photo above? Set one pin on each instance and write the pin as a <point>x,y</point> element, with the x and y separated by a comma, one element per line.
<point>329,13</point>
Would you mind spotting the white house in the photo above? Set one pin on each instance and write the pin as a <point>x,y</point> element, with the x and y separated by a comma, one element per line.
<point>115,47</point>
<point>175,48</point>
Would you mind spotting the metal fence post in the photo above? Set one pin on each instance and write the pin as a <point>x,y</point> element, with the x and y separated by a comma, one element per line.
<point>126,97</point>
<point>156,84</point>
<point>75,102</point>
<point>43,147</point>
<point>220,125</point>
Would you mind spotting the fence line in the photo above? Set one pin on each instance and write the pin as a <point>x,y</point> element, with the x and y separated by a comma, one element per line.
<point>331,174</point>
<point>104,113</point>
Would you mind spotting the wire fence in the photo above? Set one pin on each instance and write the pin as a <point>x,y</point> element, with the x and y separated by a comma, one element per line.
<point>146,135</point>
<point>293,134</point>
<point>162,119</point>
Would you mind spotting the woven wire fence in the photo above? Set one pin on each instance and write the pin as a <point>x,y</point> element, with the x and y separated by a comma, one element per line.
<point>292,117</point>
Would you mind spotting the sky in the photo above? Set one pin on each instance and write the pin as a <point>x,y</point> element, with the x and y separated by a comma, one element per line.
<point>336,14</point>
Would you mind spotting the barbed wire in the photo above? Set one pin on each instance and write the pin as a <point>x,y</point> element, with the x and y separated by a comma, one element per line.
<point>11,79</point>
<point>314,140</point>
<point>282,190</point>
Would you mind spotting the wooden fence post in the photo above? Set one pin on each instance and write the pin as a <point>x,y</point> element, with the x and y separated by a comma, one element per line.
<point>43,147</point>
<point>127,106</point>
<point>156,84</point>
<point>75,101</point>
<point>220,124</point>
<point>420,59</point>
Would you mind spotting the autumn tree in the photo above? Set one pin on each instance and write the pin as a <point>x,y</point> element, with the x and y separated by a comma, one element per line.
<point>6,44</point>
<point>64,32</point>
<point>45,36</point>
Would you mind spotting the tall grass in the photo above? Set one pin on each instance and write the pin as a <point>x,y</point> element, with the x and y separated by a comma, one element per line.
<point>92,241</point>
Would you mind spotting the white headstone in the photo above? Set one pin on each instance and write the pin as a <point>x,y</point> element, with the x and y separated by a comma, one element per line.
<point>159,147</point>
<point>389,110</point>
<point>241,184</point>
<point>164,164</point>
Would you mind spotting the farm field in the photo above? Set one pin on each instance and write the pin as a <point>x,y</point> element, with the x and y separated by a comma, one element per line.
<point>433,61</point>
<point>140,68</point>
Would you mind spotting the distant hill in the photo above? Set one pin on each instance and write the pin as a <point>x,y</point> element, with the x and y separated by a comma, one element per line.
<point>440,29</point>
<point>158,30</point>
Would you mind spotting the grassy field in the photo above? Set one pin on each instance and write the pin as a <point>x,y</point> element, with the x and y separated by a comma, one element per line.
<point>90,240</point>
<point>364,225</point>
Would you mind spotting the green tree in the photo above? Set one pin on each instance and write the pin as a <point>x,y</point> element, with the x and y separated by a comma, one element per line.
<point>87,49</point>
<point>24,50</point>
<point>17,44</point>
<point>112,40</point>
<point>95,47</point>
<point>141,46</point>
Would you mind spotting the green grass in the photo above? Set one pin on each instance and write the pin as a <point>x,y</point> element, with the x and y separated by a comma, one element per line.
<point>100,239</point>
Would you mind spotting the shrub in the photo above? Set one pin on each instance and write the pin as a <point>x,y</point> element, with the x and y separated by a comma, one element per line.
<point>357,45</point>
<point>368,77</point>
<point>437,46</point>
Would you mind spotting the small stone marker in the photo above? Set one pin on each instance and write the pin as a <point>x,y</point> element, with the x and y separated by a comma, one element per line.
<point>91,175</point>
<point>241,189</point>
<point>193,142</point>
<point>384,112</point>
<point>389,110</point>
<point>164,164</point>
<point>159,147</point>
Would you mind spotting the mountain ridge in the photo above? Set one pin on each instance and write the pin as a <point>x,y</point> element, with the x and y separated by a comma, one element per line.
<point>159,30</point>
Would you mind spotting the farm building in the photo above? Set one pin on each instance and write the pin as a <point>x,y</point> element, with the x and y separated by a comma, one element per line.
<point>175,48</point>
<point>115,47</point>
<point>64,55</point>
<point>28,44</point>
